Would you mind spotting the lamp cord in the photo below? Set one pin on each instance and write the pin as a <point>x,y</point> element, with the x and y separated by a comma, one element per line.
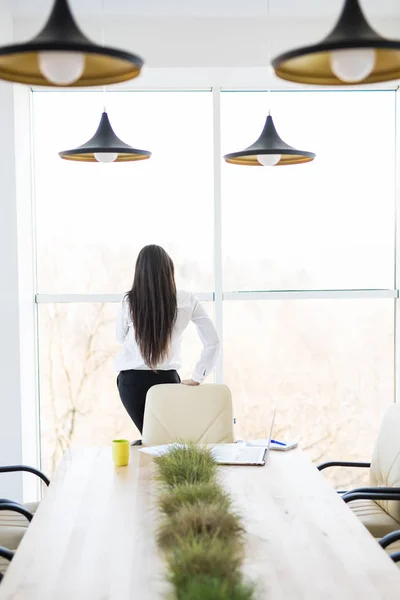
<point>103,20</point>
<point>269,31</point>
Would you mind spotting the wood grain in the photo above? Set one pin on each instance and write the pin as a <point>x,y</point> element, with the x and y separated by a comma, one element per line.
<point>93,537</point>
<point>303,542</point>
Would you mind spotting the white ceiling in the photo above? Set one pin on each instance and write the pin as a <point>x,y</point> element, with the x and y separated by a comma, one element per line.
<point>205,33</point>
<point>326,9</point>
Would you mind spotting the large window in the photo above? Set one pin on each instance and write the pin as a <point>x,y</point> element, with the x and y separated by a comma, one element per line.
<point>91,222</point>
<point>326,364</point>
<point>93,219</point>
<point>324,225</point>
<point>78,398</point>
<point>307,267</point>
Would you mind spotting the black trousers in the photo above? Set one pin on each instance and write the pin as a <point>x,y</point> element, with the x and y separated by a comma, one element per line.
<point>133,386</point>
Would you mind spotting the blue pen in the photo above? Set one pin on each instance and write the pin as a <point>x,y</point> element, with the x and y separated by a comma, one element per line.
<point>276,442</point>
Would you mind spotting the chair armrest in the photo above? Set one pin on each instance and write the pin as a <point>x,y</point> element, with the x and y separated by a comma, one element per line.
<point>395,556</point>
<point>7,554</point>
<point>376,495</point>
<point>375,489</point>
<point>389,538</point>
<point>342,463</point>
<point>14,468</point>
<point>15,507</point>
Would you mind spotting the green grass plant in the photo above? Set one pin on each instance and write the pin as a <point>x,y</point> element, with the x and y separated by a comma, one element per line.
<point>193,556</point>
<point>173,499</point>
<point>188,464</point>
<point>204,587</point>
<point>200,520</point>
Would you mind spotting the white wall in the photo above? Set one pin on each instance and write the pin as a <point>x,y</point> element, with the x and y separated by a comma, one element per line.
<point>26,288</point>
<point>10,390</point>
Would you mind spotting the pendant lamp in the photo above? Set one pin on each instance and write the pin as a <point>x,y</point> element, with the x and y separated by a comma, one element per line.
<point>352,53</point>
<point>105,147</point>
<point>269,150</point>
<point>61,55</point>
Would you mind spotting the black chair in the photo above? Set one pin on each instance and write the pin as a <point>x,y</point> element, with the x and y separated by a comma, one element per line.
<point>372,493</point>
<point>26,469</point>
<point>7,554</point>
<point>395,556</point>
<point>378,523</point>
<point>20,509</point>
<point>12,532</point>
<point>389,539</point>
<point>363,493</point>
<point>15,468</point>
<point>343,463</point>
<point>15,507</point>
<point>380,514</point>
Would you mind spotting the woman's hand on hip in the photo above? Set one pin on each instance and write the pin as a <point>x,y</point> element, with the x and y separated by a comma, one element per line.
<point>190,382</point>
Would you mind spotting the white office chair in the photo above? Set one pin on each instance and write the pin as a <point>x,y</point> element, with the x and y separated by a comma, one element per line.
<point>176,412</point>
<point>379,516</point>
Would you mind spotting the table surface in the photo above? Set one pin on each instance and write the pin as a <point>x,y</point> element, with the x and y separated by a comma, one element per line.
<point>93,535</point>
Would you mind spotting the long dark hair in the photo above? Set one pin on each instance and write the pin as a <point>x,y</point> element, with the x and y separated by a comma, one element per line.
<point>152,303</point>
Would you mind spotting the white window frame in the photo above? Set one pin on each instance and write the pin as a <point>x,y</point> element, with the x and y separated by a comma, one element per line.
<point>218,296</point>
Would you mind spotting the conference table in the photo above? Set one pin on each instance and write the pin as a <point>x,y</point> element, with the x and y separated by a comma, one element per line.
<point>93,537</point>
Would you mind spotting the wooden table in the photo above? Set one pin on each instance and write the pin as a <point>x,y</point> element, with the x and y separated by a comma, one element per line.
<point>93,535</point>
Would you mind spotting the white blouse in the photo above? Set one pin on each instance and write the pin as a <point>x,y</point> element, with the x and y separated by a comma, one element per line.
<point>189,309</point>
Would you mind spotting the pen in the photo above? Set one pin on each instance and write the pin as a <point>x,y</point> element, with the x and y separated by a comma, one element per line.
<point>279,443</point>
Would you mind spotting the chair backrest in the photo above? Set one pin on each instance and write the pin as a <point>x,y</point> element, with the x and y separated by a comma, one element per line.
<point>200,414</point>
<point>385,464</point>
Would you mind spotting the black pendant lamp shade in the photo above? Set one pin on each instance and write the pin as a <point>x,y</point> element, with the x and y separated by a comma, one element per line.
<point>269,143</point>
<point>105,142</point>
<point>352,32</point>
<point>91,64</point>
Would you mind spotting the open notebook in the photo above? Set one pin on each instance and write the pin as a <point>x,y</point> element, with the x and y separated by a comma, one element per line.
<point>238,454</point>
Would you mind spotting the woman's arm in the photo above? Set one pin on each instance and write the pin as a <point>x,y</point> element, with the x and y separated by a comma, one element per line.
<point>122,323</point>
<point>210,340</point>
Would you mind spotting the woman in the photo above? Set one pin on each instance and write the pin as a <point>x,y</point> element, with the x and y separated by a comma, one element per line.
<point>151,320</point>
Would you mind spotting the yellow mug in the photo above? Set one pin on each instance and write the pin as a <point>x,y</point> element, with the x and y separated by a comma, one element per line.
<point>120,452</point>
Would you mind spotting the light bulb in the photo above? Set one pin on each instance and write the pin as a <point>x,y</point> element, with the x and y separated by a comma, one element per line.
<point>352,66</point>
<point>62,68</point>
<point>106,157</point>
<point>268,160</point>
